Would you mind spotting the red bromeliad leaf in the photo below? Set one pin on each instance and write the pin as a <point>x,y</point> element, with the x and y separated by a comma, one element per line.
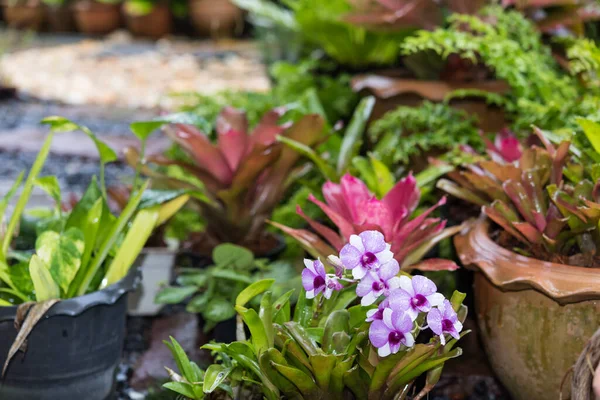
<point>206,154</point>
<point>251,167</point>
<point>332,237</point>
<point>558,163</point>
<point>522,201</point>
<point>536,196</point>
<point>345,226</point>
<point>433,264</point>
<point>403,199</point>
<point>529,232</point>
<point>335,199</point>
<point>355,194</point>
<point>498,218</point>
<point>502,172</point>
<point>375,212</point>
<point>268,128</point>
<point>403,231</point>
<point>308,240</point>
<point>486,184</point>
<point>231,119</point>
<point>307,131</point>
<point>416,238</point>
<point>234,145</point>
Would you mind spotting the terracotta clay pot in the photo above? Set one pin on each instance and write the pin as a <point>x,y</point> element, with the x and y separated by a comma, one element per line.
<point>392,92</point>
<point>30,16</point>
<point>60,19</point>
<point>94,18</point>
<point>534,317</point>
<point>156,24</point>
<point>216,17</point>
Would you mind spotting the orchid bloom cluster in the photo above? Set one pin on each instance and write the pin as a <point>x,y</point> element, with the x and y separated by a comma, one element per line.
<point>368,262</point>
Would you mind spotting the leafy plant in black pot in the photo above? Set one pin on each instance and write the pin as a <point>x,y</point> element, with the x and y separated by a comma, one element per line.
<point>70,291</point>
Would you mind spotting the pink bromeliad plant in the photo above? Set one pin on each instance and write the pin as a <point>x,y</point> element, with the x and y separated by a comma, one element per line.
<point>354,209</point>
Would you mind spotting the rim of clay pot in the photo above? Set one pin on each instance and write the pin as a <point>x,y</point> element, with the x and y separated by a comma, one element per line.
<point>386,87</point>
<point>511,271</point>
<point>77,305</point>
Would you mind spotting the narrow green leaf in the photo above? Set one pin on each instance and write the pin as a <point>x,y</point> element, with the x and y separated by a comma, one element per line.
<point>303,382</point>
<point>182,388</point>
<point>137,236</point>
<point>181,359</point>
<point>354,134</point>
<point>265,314</point>
<point>327,171</point>
<point>323,365</point>
<point>49,184</point>
<point>252,291</point>
<point>24,198</point>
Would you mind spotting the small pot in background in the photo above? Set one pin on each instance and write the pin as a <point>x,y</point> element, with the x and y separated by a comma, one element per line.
<point>96,18</point>
<point>156,266</point>
<point>154,23</point>
<point>216,18</point>
<point>29,15</point>
<point>60,18</point>
<point>73,351</point>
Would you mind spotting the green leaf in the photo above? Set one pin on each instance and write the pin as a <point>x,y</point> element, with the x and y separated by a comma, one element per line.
<point>155,197</point>
<point>385,179</point>
<point>174,295</point>
<point>252,291</point>
<point>256,327</point>
<point>323,365</point>
<point>24,198</point>
<point>230,255</point>
<point>140,230</point>
<point>265,361</point>
<point>354,134</point>
<point>90,227</point>
<point>327,171</point>
<point>219,309</point>
<point>279,306</point>
<point>181,359</point>
<point>49,184</point>
<point>197,304</point>
<point>143,129</point>
<point>45,287</point>
<point>232,276</point>
<point>214,376</point>
<point>265,314</point>
<point>20,277</point>
<point>182,388</point>
<point>338,321</point>
<point>303,382</point>
<point>592,132</point>
<point>62,253</point>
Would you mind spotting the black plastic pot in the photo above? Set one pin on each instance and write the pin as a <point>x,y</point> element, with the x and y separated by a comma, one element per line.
<point>74,350</point>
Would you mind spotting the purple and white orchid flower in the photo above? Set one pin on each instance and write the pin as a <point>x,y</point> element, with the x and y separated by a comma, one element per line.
<point>315,280</point>
<point>415,295</point>
<point>377,283</point>
<point>366,252</point>
<point>377,313</point>
<point>391,332</point>
<point>444,320</point>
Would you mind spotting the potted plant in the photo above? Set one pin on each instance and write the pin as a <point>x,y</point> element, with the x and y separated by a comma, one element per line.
<point>216,18</point>
<point>97,17</point>
<point>333,344</point>
<point>59,15</point>
<point>71,289</point>
<point>535,265</point>
<point>213,290</point>
<point>148,18</point>
<point>243,176</point>
<point>24,14</point>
